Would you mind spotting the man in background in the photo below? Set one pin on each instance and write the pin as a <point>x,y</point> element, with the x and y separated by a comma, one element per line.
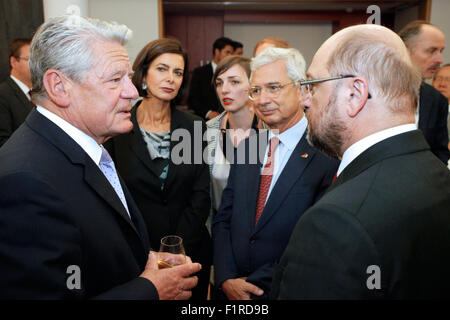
<point>382,230</point>
<point>202,95</point>
<point>15,99</point>
<point>69,226</point>
<point>238,48</point>
<point>425,44</point>
<point>269,42</point>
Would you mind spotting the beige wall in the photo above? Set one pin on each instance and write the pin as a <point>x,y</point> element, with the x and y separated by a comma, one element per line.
<point>306,37</point>
<point>440,16</point>
<point>141,16</point>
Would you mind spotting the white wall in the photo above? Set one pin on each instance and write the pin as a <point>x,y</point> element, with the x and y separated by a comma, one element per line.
<point>440,10</point>
<point>141,16</point>
<point>306,37</point>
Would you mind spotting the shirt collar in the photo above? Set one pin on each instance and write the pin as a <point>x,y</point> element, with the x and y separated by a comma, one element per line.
<point>87,143</point>
<point>22,86</point>
<point>214,66</point>
<point>292,136</point>
<point>362,145</point>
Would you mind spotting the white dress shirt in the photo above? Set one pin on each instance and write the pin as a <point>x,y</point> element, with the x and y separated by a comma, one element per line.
<point>87,143</point>
<point>22,87</point>
<point>288,141</point>
<point>362,145</point>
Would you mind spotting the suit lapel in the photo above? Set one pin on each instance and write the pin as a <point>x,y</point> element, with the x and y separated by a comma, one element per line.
<point>138,145</point>
<point>25,103</point>
<point>292,171</point>
<point>92,173</point>
<point>176,120</point>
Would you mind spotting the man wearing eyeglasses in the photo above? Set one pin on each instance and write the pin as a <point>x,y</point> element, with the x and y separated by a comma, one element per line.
<point>382,230</point>
<point>264,198</point>
<point>15,99</point>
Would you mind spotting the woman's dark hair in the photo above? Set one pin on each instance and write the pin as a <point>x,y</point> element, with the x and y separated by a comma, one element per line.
<point>149,53</point>
<point>227,62</point>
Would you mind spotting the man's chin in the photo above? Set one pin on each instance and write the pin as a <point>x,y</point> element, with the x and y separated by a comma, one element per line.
<point>320,145</point>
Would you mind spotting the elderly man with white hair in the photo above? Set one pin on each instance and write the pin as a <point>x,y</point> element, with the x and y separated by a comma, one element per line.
<point>382,230</point>
<point>275,178</point>
<point>68,224</point>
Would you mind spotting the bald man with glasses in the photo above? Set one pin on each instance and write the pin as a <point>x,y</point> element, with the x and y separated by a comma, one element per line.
<point>382,230</point>
<point>275,178</point>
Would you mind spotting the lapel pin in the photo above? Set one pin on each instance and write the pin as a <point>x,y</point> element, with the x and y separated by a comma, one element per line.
<point>305,155</point>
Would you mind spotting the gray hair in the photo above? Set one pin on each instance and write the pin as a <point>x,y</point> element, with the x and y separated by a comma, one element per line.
<point>293,59</point>
<point>66,44</point>
<point>389,71</point>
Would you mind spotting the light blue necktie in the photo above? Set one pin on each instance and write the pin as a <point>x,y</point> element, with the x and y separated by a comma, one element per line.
<point>109,170</point>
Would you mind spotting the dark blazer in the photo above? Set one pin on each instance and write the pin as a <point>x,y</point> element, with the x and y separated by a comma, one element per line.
<point>57,210</point>
<point>389,209</point>
<point>14,108</point>
<point>182,207</point>
<point>433,114</point>
<point>202,94</point>
<point>240,248</point>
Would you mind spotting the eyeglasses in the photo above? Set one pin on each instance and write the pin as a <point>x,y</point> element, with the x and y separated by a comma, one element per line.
<point>442,79</point>
<point>307,85</point>
<point>254,93</point>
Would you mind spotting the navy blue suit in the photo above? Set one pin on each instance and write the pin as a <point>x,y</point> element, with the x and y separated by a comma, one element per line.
<point>57,209</point>
<point>242,249</point>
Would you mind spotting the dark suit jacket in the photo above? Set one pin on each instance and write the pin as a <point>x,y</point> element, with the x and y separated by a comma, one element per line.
<point>240,248</point>
<point>433,113</point>
<point>389,208</point>
<point>14,108</point>
<point>202,94</point>
<point>182,207</point>
<point>57,209</point>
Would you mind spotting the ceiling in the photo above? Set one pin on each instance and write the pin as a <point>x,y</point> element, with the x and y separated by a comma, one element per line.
<point>317,5</point>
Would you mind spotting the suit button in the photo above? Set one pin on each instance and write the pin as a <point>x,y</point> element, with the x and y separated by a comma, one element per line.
<point>165,201</point>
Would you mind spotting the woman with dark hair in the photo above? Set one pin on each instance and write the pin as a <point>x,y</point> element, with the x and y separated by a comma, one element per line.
<point>237,122</point>
<point>169,187</point>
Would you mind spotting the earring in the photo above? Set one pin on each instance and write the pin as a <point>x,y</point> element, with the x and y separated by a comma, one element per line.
<point>144,86</point>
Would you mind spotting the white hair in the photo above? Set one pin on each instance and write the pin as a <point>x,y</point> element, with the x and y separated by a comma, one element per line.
<point>66,44</point>
<point>293,59</point>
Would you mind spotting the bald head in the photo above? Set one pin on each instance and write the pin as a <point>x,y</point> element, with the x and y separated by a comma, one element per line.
<point>379,90</point>
<point>380,56</point>
<point>368,32</point>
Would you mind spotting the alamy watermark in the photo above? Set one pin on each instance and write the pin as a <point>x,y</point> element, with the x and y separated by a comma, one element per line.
<point>74,279</point>
<point>189,148</point>
<point>374,280</point>
<point>375,18</point>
